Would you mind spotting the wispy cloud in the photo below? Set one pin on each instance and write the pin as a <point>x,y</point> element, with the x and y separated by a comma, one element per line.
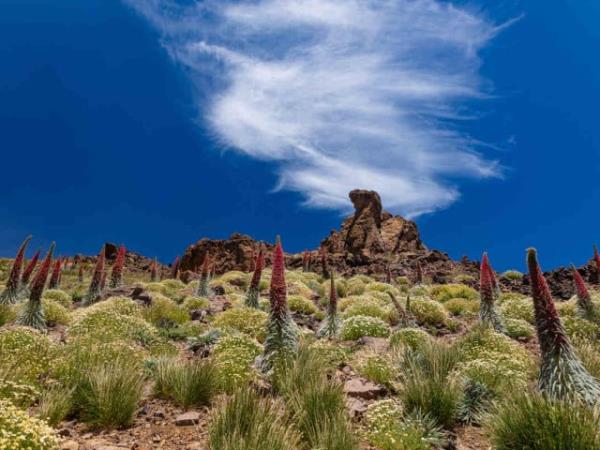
<point>340,94</point>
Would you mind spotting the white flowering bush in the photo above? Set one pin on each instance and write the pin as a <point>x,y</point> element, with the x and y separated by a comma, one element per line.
<point>519,329</point>
<point>19,431</point>
<point>25,354</point>
<point>512,275</point>
<point>444,292</point>
<point>301,304</point>
<point>567,308</point>
<point>8,313</point>
<point>164,312</point>
<point>355,286</point>
<point>376,286</point>
<point>428,312</point>
<point>18,393</point>
<point>298,288</point>
<point>358,326</point>
<point>517,308</point>
<point>233,355</point>
<point>387,428</point>
<point>250,321</point>
<point>332,354</point>
<point>378,368</point>
<point>55,313</point>
<point>60,296</point>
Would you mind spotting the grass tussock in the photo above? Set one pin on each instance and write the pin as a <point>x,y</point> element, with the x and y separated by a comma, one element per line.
<point>534,422</point>
<point>187,383</point>
<point>246,421</point>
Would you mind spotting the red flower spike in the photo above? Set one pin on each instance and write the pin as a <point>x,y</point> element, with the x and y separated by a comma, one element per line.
<point>95,288</point>
<point>175,268</point>
<point>332,297</point>
<point>55,277</point>
<point>597,261</point>
<point>30,268</point>
<point>39,282</point>
<point>154,271</point>
<point>11,293</point>
<point>258,267</point>
<point>278,291</point>
<point>549,328</point>
<point>580,288</point>
<point>324,262</point>
<point>116,276</point>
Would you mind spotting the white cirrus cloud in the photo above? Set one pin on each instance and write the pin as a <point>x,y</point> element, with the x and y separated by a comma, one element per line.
<point>339,94</point>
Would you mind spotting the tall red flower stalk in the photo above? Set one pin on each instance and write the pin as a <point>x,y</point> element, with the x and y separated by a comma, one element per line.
<point>154,271</point>
<point>419,273</point>
<point>116,275</point>
<point>33,312</point>
<point>253,261</point>
<point>29,268</point>
<point>597,261</point>
<point>202,290</point>
<point>253,293</point>
<point>488,291</point>
<point>561,373</point>
<point>282,332</point>
<point>55,277</point>
<point>10,294</point>
<point>306,261</point>
<point>586,307</point>
<point>95,288</point>
<point>331,325</point>
<point>80,273</point>
<point>175,268</point>
<point>324,262</point>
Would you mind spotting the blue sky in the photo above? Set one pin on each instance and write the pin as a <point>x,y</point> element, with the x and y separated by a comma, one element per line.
<point>154,123</point>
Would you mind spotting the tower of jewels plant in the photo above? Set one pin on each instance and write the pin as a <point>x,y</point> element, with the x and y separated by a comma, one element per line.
<point>306,257</point>
<point>488,291</point>
<point>154,271</point>
<point>331,325</point>
<point>95,288</point>
<point>282,332</point>
<point>54,282</point>
<point>586,308</point>
<point>33,311</point>
<point>116,275</point>
<point>202,290</point>
<point>254,288</point>
<point>27,272</point>
<point>10,294</point>
<point>175,268</point>
<point>324,263</point>
<point>561,373</point>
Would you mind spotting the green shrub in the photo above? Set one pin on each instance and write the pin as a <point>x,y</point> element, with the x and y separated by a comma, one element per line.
<point>172,284</point>
<point>110,326</point>
<point>298,288</point>
<point>444,292</point>
<point>250,321</point>
<point>387,428</point>
<point>535,422</point>
<point>55,404</point>
<point>187,383</point>
<point>164,312</point>
<point>567,308</point>
<point>358,326</point>
<point>579,328</point>
<point>461,307</point>
<point>517,308</point>
<point>369,308</point>
<point>245,421</point>
<point>355,286</point>
<point>519,329</point>
<point>301,304</point>
<point>333,355</point>
<point>590,356</point>
<point>19,431</point>
<point>111,394</point>
<point>463,277</point>
<point>233,356</point>
<point>7,313</point>
<point>59,296</point>
<point>55,313</point>
<point>512,275</point>
<point>25,354</point>
<point>498,378</point>
<point>191,303</point>
<point>410,337</point>
<point>429,312</point>
<point>381,287</point>
<point>239,280</point>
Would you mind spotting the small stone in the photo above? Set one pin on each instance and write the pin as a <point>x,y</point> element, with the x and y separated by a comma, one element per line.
<point>363,388</point>
<point>187,419</point>
<point>64,432</point>
<point>69,445</point>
